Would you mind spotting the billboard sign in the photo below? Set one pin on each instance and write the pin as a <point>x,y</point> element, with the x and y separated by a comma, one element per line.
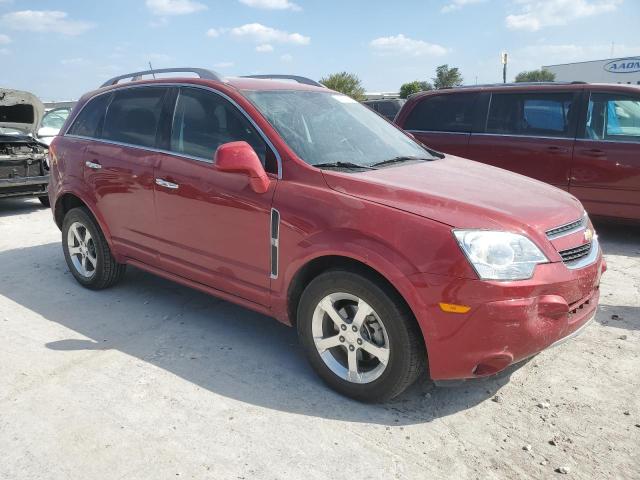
<point>623,65</point>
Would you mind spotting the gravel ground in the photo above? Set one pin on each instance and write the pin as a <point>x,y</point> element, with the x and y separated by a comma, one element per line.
<point>153,380</point>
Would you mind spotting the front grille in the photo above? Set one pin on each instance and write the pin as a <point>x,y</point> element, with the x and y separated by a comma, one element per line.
<point>572,254</point>
<point>566,229</point>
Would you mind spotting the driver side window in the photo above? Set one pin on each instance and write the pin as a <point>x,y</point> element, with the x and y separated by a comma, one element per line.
<point>203,121</point>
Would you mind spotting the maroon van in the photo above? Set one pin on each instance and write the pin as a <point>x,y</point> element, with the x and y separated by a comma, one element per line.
<point>582,138</point>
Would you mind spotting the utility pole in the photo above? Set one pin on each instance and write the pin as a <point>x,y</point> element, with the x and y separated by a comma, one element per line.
<point>504,58</point>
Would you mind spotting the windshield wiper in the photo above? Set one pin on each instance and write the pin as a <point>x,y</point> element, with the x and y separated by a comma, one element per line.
<point>343,165</point>
<point>400,159</point>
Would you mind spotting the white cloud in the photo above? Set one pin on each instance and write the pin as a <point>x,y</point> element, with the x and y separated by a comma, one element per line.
<point>4,39</point>
<point>223,65</point>
<point>72,61</point>
<point>286,58</point>
<point>174,7</point>
<point>264,48</point>
<point>262,34</point>
<point>454,5</point>
<point>45,21</point>
<point>213,32</point>
<point>158,22</point>
<point>537,14</point>
<point>399,44</point>
<point>272,4</point>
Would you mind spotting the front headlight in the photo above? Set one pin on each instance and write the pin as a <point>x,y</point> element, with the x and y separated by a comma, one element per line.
<point>500,255</point>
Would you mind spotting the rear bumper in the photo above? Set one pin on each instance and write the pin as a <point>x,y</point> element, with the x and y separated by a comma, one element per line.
<point>508,321</point>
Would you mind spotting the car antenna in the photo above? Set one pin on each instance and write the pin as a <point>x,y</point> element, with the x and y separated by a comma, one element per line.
<point>152,73</point>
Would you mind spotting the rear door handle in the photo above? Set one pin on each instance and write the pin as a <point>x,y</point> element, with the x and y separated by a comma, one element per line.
<point>93,165</point>
<point>594,152</point>
<point>163,183</point>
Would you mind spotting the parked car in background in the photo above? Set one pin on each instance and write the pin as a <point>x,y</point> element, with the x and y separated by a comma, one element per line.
<point>387,107</point>
<point>52,122</point>
<point>24,170</point>
<point>583,138</point>
<point>298,202</point>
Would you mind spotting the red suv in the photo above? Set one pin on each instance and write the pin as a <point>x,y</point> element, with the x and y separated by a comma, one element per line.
<point>300,203</point>
<point>582,138</point>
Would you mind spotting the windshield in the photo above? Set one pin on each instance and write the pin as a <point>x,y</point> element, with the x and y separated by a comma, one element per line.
<point>55,118</point>
<point>330,128</point>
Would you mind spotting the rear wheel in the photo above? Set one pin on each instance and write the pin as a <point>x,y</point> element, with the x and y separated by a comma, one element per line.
<point>87,252</point>
<point>359,336</point>
<point>44,200</point>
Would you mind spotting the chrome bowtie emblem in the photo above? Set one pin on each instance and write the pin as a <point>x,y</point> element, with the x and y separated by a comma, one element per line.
<point>588,235</point>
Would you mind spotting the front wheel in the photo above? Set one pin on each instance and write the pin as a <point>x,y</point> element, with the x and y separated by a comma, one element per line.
<point>359,336</point>
<point>87,252</point>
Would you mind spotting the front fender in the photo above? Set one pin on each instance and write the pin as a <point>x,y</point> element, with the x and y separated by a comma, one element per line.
<point>353,245</point>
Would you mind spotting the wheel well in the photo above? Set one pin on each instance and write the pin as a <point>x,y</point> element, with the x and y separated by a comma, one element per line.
<point>64,204</point>
<point>322,264</point>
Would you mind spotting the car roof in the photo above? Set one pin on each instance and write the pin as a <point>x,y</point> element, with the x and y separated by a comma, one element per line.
<point>530,86</point>
<point>272,81</point>
<point>245,83</point>
<point>241,84</point>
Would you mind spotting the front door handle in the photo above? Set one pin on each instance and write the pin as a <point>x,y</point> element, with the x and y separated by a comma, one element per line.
<point>93,165</point>
<point>556,149</point>
<point>163,183</point>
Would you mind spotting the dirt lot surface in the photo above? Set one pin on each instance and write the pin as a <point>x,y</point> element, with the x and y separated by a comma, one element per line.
<point>153,380</point>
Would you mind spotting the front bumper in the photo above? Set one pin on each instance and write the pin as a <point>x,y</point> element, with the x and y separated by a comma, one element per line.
<point>508,321</point>
<point>21,186</point>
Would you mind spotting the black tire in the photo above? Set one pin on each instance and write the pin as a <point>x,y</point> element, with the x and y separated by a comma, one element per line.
<point>407,355</point>
<point>107,271</point>
<point>44,200</point>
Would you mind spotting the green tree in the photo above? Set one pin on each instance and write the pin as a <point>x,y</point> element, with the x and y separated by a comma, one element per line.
<point>416,86</point>
<point>344,82</point>
<point>447,77</point>
<point>536,76</point>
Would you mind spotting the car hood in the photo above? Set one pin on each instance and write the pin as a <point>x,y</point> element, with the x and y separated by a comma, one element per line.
<point>21,111</point>
<point>463,194</point>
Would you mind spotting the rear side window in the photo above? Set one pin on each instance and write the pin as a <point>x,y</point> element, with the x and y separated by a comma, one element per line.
<point>90,120</point>
<point>204,120</point>
<point>134,115</point>
<point>534,114</point>
<point>451,112</point>
<point>613,117</point>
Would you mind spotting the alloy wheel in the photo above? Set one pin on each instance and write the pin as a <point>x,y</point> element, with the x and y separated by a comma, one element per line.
<point>350,338</point>
<point>82,250</point>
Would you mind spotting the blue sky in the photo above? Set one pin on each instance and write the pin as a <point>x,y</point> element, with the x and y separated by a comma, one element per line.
<point>59,49</point>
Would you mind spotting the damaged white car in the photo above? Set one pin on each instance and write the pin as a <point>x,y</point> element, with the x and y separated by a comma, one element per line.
<point>24,167</point>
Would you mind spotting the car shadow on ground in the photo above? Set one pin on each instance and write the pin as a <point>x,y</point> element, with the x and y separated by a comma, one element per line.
<point>618,238</point>
<point>19,206</point>
<point>214,344</point>
<point>623,240</point>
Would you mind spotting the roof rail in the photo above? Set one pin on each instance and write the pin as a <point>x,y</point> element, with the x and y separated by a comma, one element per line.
<point>519,84</point>
<point>201,72</point>
<point>297,78</point>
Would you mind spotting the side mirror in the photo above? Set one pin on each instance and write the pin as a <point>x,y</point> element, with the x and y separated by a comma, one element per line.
<point>240,157</point>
